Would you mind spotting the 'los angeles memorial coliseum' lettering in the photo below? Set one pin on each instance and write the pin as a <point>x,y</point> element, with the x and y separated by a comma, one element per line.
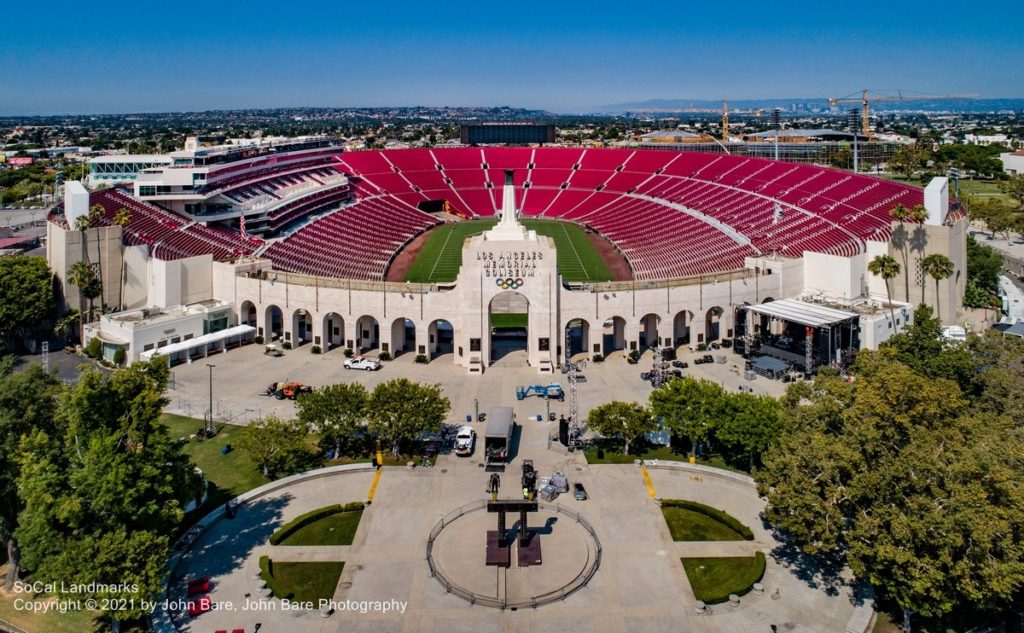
<point>509,264</point>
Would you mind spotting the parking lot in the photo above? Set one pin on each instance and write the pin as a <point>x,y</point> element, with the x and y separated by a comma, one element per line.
<point>240,377</point>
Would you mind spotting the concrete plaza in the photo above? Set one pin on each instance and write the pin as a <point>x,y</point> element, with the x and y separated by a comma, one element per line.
<point>241,375</point>
<point>639,586</point>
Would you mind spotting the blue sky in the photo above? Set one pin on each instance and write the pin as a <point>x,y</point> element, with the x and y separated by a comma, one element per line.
<point>90,57</point>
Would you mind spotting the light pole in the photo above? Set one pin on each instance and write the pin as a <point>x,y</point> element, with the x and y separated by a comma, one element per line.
<point>854,127</point>
<point>209,416</point>
<point>777,124</point>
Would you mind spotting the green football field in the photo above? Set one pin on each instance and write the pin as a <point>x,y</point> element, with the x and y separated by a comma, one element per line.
<point>441,257</point>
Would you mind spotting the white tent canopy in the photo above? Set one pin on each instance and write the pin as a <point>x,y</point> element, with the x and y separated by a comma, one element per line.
<point>199,341</point>
<point>793,311</point>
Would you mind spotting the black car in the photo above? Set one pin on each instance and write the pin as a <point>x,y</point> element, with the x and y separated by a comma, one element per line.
<point>680,364</point>
<point>579,491</point>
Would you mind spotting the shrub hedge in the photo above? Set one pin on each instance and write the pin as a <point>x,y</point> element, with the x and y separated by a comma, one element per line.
<point>712,513</point>
<point>303,520</point>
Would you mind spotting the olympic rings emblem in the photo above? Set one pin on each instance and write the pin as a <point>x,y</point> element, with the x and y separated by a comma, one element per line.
<point>509,284</point>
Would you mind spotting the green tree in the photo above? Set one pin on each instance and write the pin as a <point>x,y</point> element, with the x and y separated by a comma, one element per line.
<point>26,297</point>
<point>625,420</point>
<point>270,440</point>
<point>27,402</point>
<point>399,410</point>
<point>887,268</point>
<point>337,412</point>
<point>906,160</point>
<point>938,267</point>
<point>691,408</point>
<point>751,425</point>
<point>984,265</point>
<point>83,275</point>
<point>67,325</point>
<point>104,488</point>
<point>122,219</point>
<point>1014,187</point>
<point>898,476</point>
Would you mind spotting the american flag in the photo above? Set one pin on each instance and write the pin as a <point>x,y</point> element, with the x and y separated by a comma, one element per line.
<point>241,225</point>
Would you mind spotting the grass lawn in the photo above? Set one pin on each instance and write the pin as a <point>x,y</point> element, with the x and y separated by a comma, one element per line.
<point>666,453</point>
<point>229,475</point>
<point>336,529</point>
<point>301,582</point>
<point>578,260</point>
<point>509,320</point>
<point>441,256</point>
<point>39,622</point>
<point>713,579</point>
<point>687,525</point>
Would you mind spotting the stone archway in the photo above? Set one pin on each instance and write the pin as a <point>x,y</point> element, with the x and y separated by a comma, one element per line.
<point>713,324</point>
<point>649,331</point>
<point>681,326</point>
<point>273,320</point>
<point>403,336</point>
<point>577,338</point>
<point>302,327</point>
<point>367,333</point>
<point>333,332</point>
<point>509,318</point>
<point>440,339</point>
<point>613,335</point>
<point>247,314</point>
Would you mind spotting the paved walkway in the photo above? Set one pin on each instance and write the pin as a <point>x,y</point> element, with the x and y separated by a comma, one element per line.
<point>640,587</point>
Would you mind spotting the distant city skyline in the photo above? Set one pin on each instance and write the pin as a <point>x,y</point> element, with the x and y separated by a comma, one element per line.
<point>119,57</point>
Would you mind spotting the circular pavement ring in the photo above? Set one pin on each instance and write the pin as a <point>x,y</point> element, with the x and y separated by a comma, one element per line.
<point>580,580</point>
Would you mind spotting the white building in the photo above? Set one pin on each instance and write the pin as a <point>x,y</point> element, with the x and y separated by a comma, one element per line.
<point>114,169</point>
<point>1013,162</point>
<point>181,332</point>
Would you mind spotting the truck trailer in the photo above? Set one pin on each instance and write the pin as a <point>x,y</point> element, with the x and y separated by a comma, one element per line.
<point>498,436</point>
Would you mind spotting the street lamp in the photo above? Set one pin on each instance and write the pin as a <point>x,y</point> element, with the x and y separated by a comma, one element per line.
<point>209,416</point>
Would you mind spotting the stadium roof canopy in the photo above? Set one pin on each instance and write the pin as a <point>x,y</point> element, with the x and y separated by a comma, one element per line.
<point>811,133</point>
<point>199,341</point>
<point>670,134</point>
<point>810,314</point>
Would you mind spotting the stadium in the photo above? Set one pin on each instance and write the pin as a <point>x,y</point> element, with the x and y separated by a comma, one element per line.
<point>598,251</point>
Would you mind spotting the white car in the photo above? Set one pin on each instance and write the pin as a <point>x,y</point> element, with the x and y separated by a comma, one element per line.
<point>359,362</point>
<point>465,439</point>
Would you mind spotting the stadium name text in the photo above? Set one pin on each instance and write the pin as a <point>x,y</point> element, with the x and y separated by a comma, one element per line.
<point>514,264</point>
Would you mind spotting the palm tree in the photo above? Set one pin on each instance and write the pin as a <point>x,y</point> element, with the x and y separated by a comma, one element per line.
<point>95,215</point>
<point>938,267</point>
<point>64,328</point>
<point>901,214</point>
<point>919,240</point>
<point>122,218</point>
<point>886,267</point>
<point>83,275</point>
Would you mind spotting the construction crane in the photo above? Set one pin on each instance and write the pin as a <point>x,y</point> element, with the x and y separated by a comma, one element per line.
<point>865,99</point>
